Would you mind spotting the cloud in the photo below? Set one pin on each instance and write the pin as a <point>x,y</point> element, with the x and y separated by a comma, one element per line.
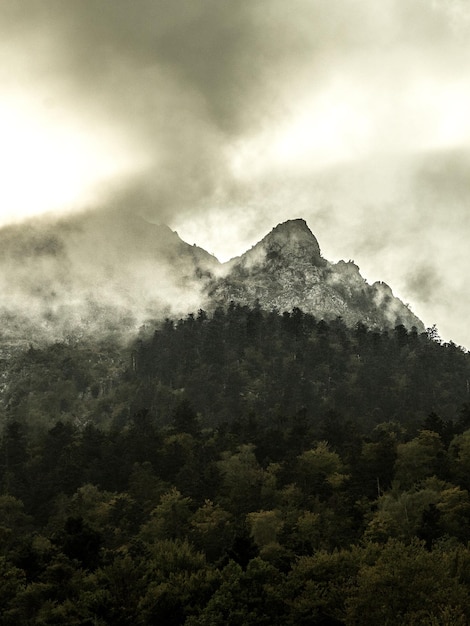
<point>224,118</point>
<point>213,94</point>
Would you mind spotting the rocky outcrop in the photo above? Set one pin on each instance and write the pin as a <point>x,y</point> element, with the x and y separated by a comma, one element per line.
<point>286,269</point>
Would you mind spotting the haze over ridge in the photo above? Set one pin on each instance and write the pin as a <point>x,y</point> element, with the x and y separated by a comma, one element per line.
<point>93,275</point>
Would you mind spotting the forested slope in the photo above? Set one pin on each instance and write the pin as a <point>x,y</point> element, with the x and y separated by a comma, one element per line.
<point>239,468</point>
<point>244,361</point>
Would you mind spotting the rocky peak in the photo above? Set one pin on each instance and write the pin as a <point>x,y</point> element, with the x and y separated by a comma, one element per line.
<point>290,241</point>
<point>293,235</point>
<point>286,269</point>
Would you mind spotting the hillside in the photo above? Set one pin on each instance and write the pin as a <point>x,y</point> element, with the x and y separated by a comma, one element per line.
<point>237,362</point>
<point>237,467</point>
<point>242,464</point>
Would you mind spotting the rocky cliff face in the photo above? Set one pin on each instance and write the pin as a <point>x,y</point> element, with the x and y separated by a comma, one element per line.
<point>286,270</point>
<point>94,273</point>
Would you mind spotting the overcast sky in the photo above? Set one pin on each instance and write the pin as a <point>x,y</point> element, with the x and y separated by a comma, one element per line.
<point>222,118</point>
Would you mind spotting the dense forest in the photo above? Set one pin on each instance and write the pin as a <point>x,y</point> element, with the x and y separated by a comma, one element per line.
<point>238,467</point>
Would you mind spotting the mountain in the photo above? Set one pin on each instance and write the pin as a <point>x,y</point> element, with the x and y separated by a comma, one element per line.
<point>95,272</point>
<point>107,273</point>
<point>232,449</point>
<point>286,269</point>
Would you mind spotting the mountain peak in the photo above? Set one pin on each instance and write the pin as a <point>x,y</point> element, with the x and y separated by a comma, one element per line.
<point>291,242</point>
<point>293,233</point>
<point>286,269</point>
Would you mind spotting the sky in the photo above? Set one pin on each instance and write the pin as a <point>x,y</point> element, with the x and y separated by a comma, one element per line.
<point>222,118</point>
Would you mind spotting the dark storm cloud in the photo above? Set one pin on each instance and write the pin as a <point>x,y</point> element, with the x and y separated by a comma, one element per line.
<point>195,43</point>
<point>207,91</point>
<point>177,77</point>
<point>164,72</point>
<point>187,78</point>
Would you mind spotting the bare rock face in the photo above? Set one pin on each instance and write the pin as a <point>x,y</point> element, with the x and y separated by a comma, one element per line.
<point>292,239</point>
<point>286,269</point>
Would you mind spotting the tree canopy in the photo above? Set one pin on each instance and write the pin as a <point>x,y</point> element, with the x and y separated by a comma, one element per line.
<point>242,467</point>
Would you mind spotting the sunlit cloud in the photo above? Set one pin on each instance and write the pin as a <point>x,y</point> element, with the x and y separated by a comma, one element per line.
<point>317,133</point>
<point>52,164</point>
<point>353,120</point>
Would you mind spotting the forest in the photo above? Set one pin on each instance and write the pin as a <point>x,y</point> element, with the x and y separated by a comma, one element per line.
<point>237,467</point>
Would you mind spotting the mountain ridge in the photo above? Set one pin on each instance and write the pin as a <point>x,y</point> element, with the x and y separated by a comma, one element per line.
<point>94,273</point>
<point>285,269</point>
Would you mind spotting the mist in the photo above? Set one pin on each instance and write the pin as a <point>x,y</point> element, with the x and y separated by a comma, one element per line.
<point>90,275</point>
<point>222,119</point>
